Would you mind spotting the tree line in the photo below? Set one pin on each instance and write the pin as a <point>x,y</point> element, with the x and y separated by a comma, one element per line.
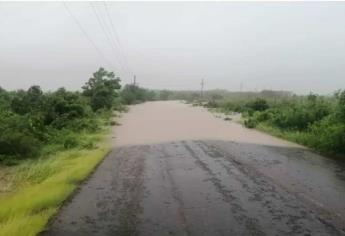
<point>34,123</point>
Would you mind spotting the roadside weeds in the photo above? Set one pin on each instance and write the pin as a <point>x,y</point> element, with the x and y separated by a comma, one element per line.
<point>41,187</point>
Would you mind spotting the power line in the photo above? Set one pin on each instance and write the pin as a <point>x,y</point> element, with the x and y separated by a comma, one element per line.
<point>103,27</point>
<point>116,36</point>
<point>85,34</point>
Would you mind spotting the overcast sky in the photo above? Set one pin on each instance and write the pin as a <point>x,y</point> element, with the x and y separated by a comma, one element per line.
<point>287,46</point>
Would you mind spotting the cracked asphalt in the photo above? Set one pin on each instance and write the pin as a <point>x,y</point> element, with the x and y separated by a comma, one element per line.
<point>178,170</point>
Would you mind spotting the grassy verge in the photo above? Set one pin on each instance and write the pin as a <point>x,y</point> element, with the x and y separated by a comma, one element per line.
<point>293,136</point>
<point>35,189</point>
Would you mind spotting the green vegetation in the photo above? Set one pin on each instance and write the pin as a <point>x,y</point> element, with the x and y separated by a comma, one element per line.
<point>101,89</point>
<point>33,123</point>
<point>39,187</point>
<point>220,95</point>
<point>49,142</point>
<point>313,120</point>
<point>133,94</point>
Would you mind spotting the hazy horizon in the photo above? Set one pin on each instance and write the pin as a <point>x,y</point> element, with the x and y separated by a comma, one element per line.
<point>291,46</point>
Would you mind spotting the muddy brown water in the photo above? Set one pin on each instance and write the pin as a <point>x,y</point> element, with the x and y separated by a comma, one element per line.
<point>178,170</point>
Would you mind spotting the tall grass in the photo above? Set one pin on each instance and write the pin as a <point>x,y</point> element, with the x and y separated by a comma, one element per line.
<point>42,186</point>
<point>293,136</point>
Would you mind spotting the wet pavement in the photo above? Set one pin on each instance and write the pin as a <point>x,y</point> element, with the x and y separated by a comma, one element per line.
<point>206,187</point>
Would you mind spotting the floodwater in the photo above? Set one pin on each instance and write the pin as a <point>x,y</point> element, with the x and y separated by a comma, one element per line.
<point>158,122</point>
<point>179,170</point>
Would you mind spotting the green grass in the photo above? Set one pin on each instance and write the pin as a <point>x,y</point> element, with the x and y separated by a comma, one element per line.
<point>42,185</point>
<point>293,136</point>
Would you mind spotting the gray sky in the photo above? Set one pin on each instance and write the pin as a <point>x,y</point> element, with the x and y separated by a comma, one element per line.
<point>290,46</point>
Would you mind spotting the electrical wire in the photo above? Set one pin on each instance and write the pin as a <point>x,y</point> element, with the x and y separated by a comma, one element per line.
<point>75,19</point>
<point>108,36</point>
<point>117,37</point>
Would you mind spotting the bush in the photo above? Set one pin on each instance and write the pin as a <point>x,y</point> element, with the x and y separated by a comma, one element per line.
<point>328,135</point>
<point>88,145</point>
<point>250,123</point>
<point>299,115</point>
<point>133,94</point>
<point>258,105</point>
<point>84,124</point>
<point>113,123</point>
<point>70,141</point>
<point>230,106</point>
<point>33,119</point>
<point>19,145</point>
<point>315,121</point>
<point>263,116</point>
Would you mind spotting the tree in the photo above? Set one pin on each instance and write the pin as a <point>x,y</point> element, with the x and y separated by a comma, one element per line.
<point>29,101</point>
<point>102,89</point>
<point>5,100</point>
<point>132,94</point>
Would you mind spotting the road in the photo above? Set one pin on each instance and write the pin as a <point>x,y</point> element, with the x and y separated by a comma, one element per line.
<point>179,170</point>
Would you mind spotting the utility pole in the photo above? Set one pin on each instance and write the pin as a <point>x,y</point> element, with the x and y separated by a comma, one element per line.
<point>134,80</point>
<point>202,89</point>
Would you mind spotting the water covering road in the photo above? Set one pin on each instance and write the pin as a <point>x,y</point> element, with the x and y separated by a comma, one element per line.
<point>178,170</point>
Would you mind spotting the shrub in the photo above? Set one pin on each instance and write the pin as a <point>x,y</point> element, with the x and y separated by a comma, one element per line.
<point>33,119</point>
<point>19,145</point>
<point>328,135</point>
<point>301,114</point>
<point>113,123</point>
<point>88,145</point>
<point>263,116</point>
<point>70,141</point>
<point>250,123</point>
<point>259,104</point>
<point>133,94</point>
<point>84,124</point>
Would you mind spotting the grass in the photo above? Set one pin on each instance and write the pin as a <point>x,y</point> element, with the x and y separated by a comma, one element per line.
<point>39,187</point>
<point>293,136</point>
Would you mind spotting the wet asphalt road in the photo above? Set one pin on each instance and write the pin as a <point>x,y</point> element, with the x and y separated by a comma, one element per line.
<point>198,186</point>
<point>189,188</point>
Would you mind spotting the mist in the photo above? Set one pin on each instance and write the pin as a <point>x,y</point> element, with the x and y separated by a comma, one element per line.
<point>251,46</point>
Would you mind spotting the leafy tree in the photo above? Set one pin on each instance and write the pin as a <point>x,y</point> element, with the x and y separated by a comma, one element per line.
<point>4,100</point>
<point>27,101</point>
<point>102,89</point>
<point>132,94</point>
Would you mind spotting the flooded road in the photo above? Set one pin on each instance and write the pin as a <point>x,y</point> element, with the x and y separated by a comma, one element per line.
<point>178,170</point>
